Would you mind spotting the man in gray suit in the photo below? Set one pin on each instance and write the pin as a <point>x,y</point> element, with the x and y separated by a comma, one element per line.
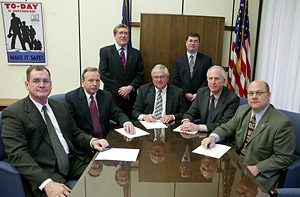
<point>149,107</point>
<point>225,103</point>
<point>122,70</point>
<point>41,137</point>
<point>264,137</point>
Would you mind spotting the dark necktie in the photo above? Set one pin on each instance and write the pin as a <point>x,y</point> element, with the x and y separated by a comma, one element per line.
<point>60,153</point>
<point>211,109</point>
<point>95,119</point>
<point>158,107</point>
<point>191,65</point>
<point>250,130</point>
<point>122,56</point>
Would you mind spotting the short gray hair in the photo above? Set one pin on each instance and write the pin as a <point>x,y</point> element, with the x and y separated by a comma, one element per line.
<point>217,67</point>
<point>117,27</point>
<point>160,68</point>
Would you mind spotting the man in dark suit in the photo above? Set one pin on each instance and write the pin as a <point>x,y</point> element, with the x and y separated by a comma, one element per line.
<point>121,69</point>
<point>264,137</point>
<point>189,70</point>
<point>159,100</point>
<point>79,102</point>
<point>41,137</point>
<point>225,103</point>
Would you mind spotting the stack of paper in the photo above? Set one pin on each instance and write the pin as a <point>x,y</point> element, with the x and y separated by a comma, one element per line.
<point>217,151</point>
<point>118,154</point>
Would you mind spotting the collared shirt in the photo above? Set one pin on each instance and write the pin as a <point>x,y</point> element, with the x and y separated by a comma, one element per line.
<point>164,101</point>
<point>118,47</point>
<point>54,122</point>
<point>88,98</point>
<point>194,57</point>
<point>258,116</point>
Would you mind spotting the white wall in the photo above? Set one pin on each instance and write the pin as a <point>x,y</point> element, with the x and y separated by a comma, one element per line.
<point>97,19</point>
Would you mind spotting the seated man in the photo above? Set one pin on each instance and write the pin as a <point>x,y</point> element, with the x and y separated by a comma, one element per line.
<point>214,105</point>
<point>92,108</point>
<point>264,137</point>
<point>40,137</point>
<point>159,100</point>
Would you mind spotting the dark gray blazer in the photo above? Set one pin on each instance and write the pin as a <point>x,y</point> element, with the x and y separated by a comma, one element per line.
<point>225,109</point>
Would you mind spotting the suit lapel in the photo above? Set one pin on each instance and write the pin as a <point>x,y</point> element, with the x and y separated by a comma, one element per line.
<point>262,124</point>
<point>84,107</point>
<point>187,66</point>
<point>197,65</point>
<point>220,103</point>
<point>35,116</point>
<point>169,101</point>
<point>151,98</point>
<point>101,108</point>
<point>115,53</point>
<point>204,104</point>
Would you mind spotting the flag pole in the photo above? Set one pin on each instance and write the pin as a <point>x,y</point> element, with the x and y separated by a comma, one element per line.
<point>242,40</point>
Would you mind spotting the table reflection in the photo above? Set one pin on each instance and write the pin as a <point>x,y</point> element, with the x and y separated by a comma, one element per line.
<point>166,166</point>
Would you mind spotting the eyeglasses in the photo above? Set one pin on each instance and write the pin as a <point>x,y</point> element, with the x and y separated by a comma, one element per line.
<point>37,81</point>
<point>159,77</point>
<point>258,93</point>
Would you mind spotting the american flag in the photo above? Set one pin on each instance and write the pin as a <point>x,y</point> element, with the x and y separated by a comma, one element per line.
<point>126,17</point>
<point>239,72</point>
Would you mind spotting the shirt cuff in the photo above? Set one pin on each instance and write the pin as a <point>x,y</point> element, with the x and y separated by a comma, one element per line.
<point>140,118</point>
<point>93,140</point>
<point>41,187</point>
<point>173,117</point>
<point>203,127</point>
<point>216,136</point>
<point>126,123</point>
<point>185,120</point>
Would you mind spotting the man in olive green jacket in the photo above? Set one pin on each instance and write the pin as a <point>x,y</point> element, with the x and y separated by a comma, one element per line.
<point>271,144</point>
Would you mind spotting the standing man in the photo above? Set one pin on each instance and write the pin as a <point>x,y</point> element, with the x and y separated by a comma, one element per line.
<point>41,137</point>
<point>189,71</point>
<point>83,102</point>
<point>264,137</point>
<point>159,100</point>
<point>214,105</point>
<point>122,70</point>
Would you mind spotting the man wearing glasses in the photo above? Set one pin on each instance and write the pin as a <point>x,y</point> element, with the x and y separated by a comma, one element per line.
<point>121,68</point>
<point>264,137</point>
<point>189,70</point>
<point>159,100</point>
<point>41,137</point>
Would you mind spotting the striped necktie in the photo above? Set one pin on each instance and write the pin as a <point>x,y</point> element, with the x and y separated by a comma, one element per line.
<point>122,56</point>
<point>191,65</point>
<point>158,107</point>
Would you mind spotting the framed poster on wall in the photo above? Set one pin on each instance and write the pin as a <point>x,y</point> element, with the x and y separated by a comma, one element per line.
<point>24,32</point>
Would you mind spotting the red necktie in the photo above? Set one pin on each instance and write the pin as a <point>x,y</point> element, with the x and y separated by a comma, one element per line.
<point>95,119</point>
<point>122,56</point>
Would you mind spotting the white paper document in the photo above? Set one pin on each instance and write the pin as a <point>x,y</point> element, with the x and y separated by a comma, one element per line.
<point>153,125</point>
<point>177,129</point>
<point>118,154</point>
<point>217,151</point>
<point>138,132</point>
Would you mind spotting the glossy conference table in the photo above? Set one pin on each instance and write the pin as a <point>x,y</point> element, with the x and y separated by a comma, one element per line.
<point>167,167</point>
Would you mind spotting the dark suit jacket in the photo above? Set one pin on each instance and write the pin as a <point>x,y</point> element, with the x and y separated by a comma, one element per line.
<point>78,106</point>
<point>145,100</point>
<point>181,73</point>
<point>225,109</point>
<point>111,68</point>
<point>271,146</point>
<point>27,142</point>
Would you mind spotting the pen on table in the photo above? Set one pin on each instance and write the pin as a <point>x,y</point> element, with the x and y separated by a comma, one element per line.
<point>106,149</point>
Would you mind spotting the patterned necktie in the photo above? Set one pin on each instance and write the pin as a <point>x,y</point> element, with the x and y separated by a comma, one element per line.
<point>158,107</point>
<point>191,65</point>
<point>95,118</point>
<point>211,109</point>
<point>250,130</point>
<point>60,153</point>
<point>122,56</point>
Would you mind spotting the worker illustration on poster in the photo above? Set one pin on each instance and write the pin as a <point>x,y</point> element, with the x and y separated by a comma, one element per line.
<point>24,34</point>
